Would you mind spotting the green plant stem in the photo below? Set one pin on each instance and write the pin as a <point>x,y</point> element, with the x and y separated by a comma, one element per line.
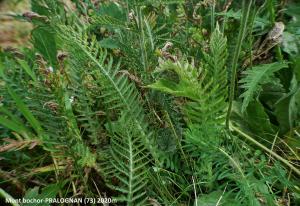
<point>177,138</point>
<point>242,32</point>
<point>142,38</point>
<point>212,16</point>
<point>8,196</point>
<point>271,10</point>
<point>278,157</point>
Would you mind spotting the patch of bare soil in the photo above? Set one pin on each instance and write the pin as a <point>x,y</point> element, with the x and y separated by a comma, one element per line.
<point>13,32</point>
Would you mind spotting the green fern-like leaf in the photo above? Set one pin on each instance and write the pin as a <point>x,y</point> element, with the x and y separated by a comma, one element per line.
<point>128,163</point>
<point>188,85</point>
<point>207,88</point>
<point>215,61</point>
<point>118,94</point>
<point>205,93</point>
<point>255,78</point>
<point>54,127</point>
<point>130,137</point>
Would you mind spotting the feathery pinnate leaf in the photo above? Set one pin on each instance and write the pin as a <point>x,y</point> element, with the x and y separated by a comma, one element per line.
<point>255,78</point>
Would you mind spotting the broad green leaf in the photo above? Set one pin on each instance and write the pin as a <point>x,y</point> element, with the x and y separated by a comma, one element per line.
<point>254,121</point>
<point>25,111</point>
<point>37,7</point>
<point>257,118</point>
<point>188,86</point>
<point>258,121</point>
<point>50,8</point>
<point>44,41</point>
<point>180,90</point>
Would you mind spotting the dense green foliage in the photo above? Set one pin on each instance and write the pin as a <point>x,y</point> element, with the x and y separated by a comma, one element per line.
<point>165,102</point>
